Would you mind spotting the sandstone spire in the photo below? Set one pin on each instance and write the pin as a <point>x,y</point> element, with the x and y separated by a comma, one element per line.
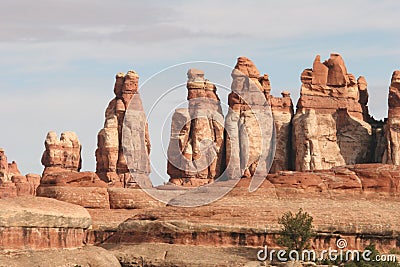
<point>248,124</point>
<point>196,146</point>
<point>392,152</point>
<point>126,107</point>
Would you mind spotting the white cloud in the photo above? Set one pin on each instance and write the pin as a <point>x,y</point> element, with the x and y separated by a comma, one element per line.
<point>117,21</point>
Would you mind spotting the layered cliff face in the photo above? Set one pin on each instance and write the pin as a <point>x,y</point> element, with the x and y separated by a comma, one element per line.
<point>329,128</point>
<point>195,151</point>
<point>392,133</point>
<point>33,223</point>
<point>126,107</point>
<point>12,182</point>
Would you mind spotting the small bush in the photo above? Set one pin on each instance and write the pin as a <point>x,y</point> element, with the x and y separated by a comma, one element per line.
<point>297,230</point>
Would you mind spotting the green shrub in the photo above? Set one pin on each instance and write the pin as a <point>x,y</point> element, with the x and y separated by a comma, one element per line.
<point>297,230</point>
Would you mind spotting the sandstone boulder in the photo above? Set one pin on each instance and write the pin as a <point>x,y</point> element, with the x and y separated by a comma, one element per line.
<point>378,179</point>
<point>319,72</point>
<point>124,198</point>
<point>55,176</point>
<point>337,72</point>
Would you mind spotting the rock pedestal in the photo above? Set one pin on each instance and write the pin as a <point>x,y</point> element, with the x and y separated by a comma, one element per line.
<point>196,146</point>
<point>329,127</point>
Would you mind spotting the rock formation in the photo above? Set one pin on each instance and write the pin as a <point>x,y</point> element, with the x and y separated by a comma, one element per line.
<point>392,152</point>
<point>124,113</point>
<point>62,179</point>
<point>248,124</point>
<point>195,152</point>
<point>12,182</point>
<point>282,112</point>
<point>363,98</point>
<point>63,153</point>
<point>62,162</point>
<point>198,130</point>
<point>329,128</point>
<point>3,166</point>
<point>373,180</point>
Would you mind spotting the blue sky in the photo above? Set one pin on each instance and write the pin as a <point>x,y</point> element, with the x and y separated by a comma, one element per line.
<point>59,58</point>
